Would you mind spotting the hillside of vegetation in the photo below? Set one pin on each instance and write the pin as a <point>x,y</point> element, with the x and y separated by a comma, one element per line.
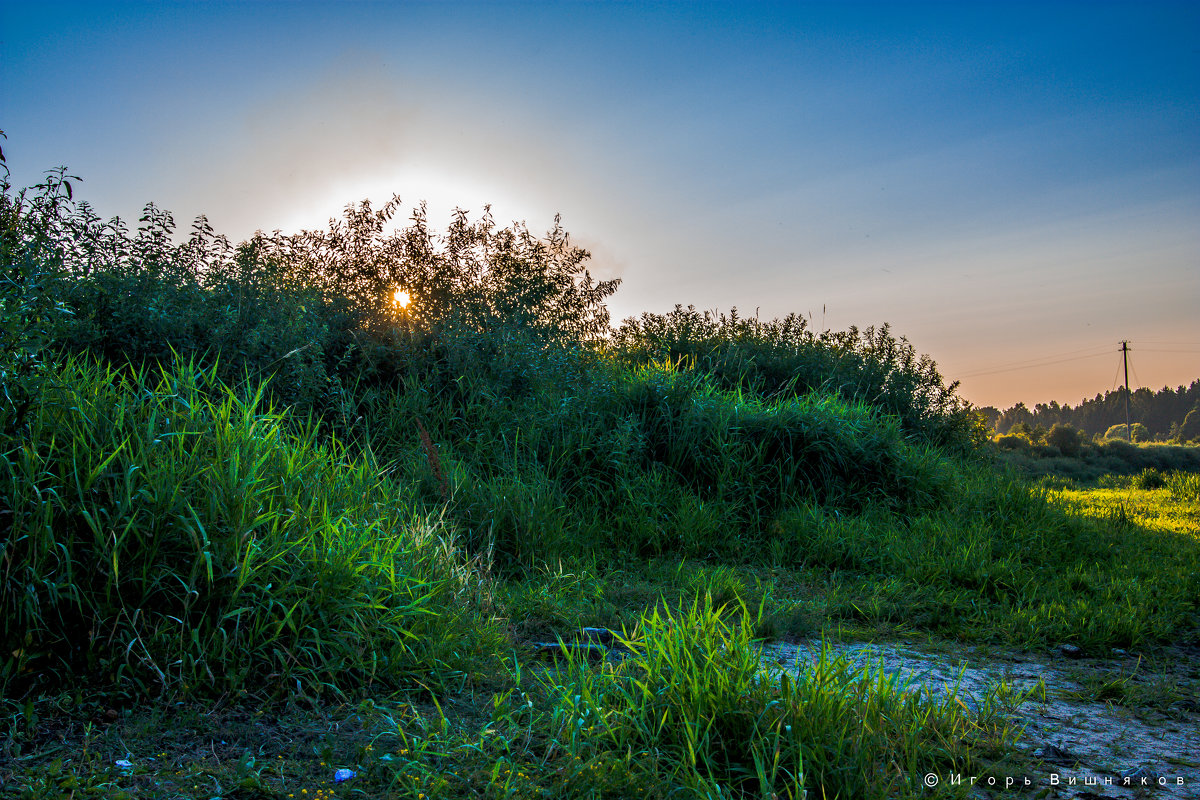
<point>244,474</point>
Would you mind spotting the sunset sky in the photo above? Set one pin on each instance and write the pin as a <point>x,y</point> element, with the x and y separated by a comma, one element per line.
<point>1013,186</point>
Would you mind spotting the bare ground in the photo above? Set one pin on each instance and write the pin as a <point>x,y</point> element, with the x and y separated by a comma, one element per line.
<point>1096,720</point>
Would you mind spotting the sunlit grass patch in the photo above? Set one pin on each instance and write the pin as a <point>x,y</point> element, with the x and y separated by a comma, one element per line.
<point>1161,509</point>
<point>1184,486</point>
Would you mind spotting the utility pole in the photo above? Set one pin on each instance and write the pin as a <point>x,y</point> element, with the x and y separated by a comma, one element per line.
<point>1125,358</point>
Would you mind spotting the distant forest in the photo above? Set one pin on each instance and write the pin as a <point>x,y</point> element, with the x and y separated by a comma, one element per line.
<point>1162,413</point>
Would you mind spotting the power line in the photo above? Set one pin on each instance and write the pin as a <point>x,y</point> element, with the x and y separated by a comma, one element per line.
<point>1035,363</point>
<point>1071,355</point>
<point>1053,355</point>
<point>1172,344</point>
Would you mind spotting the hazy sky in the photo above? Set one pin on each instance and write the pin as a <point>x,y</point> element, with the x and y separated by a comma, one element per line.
<point>1008,184</point>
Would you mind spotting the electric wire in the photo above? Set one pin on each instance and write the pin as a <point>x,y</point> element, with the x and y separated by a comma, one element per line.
<point>1033,364</point>
<point>1074,355</point>
<point>1172,344</point>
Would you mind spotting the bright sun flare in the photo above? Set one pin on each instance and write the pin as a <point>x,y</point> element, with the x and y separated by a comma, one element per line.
<point>400,298</point>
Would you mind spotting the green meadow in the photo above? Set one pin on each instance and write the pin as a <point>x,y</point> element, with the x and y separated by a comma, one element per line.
<point>260,523</point>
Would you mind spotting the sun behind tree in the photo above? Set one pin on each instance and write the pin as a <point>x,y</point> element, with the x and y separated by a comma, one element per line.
<point>400,298</point>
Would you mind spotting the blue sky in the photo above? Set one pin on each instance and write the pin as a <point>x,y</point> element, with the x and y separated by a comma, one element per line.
<point>1008,184</point>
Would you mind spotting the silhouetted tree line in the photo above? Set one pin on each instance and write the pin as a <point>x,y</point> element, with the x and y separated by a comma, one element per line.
<point>1164,414</point>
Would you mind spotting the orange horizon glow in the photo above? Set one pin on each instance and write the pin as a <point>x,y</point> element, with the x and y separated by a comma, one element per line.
<point>401,298</point>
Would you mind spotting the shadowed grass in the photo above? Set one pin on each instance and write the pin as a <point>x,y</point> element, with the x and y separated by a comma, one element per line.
<point>551,454</point>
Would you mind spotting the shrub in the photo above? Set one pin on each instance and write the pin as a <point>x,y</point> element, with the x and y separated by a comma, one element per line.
<point>475,275</point>
<point>1189,429</point>
<point>1068,440</point>
<point>1140,433</point>
<point>783,358</point>
<point>1011,441</point>
<point>1035,434</point>
<point>299,308</point>
<point>238,318</point>
<point>550,452</point>
<point>31,273</point>
<point>1149,478</point>
<point>1057,482</point>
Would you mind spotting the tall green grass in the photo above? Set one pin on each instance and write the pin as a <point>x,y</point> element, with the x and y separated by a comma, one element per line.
<point>551,452</point>
<point>695,711</point>
<point>169,531</point>
<point>1184,486</point>
<point>166,535</point>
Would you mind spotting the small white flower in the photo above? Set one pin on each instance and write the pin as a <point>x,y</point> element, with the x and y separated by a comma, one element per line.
<point>125,763</point>
<point>343,775</point>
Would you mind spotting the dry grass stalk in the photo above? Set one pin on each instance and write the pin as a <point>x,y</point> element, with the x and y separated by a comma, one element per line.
<point>435,463</point>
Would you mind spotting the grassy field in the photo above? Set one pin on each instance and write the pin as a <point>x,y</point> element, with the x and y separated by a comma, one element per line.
<point>691,715</point>
<point>259,528</point>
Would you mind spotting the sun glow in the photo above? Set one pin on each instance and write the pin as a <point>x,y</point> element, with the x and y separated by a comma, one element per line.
<point>400,298</point>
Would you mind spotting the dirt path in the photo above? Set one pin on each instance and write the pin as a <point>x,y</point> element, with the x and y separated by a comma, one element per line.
<point>1071,734</point>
